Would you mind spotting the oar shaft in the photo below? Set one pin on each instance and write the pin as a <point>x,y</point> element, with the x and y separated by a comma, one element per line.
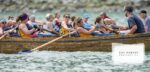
<point>8,32</point>
<point>49,42</point>
<point>50,31</point>
<point>3,36</point>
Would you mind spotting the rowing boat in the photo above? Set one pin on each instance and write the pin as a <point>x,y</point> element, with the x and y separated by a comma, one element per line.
<point>14,45</point>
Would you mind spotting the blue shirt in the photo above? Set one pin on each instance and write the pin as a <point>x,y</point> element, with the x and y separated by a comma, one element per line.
<point>147,23</point>
<point>87,25</point>
<point>33,24</point>
<point>134,20</point>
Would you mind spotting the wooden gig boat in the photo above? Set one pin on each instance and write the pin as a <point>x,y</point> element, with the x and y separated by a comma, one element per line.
<point>14,45</point>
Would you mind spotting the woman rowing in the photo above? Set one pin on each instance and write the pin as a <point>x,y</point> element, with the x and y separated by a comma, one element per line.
<point>66,25</point>
<point>33,22</point>
<point>57,21</point>
<point>24,29</point>
<point>50,25</point>
<point>103,28</point>
<point>82,31</point>
<point>100,26</point>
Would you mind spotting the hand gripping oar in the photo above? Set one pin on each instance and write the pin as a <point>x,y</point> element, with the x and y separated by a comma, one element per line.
<point>8,32</point>
<point>45,44</point>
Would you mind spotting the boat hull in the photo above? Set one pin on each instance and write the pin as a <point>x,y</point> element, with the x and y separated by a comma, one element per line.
<point>14,45</point>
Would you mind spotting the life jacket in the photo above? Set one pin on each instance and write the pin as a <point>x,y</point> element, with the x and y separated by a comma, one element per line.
<point>85,35</point>
<point>81,34</point>
<point>24,35</point>
<point>64,31</point>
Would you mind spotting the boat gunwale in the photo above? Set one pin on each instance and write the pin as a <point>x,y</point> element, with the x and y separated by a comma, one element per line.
<point>65,40</point>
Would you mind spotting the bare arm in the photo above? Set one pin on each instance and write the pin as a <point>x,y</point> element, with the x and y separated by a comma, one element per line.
<point>1,31</point>
<point>145,27</point>
<point>80,29</point>
<point>50,26</point>
<point>65,26</point>
<point>107,28</point>
<point>133,29</point>
<point>24,28</point>
<point>52,30</point>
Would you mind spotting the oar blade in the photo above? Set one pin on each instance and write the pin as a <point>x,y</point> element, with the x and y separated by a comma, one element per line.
<point>24,51</point>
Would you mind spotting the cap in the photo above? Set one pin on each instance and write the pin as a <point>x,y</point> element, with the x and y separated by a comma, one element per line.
<point>86,16</point>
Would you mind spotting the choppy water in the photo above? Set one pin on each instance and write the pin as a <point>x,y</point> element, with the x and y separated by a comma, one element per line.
<point>67,62</point>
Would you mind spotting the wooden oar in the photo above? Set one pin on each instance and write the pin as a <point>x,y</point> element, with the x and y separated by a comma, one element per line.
<point>4,35</point>
<point>8,32</point>
<point>45,44</point>
<point>50,31</point>
<point>42,29</point>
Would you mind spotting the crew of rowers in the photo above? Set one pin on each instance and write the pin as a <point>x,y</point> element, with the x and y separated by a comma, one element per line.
<point>28,27</point>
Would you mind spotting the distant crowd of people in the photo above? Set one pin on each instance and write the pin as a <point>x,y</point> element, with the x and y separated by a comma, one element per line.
<point>26,26</point>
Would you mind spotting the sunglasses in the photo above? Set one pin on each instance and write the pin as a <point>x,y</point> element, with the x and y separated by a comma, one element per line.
<point>67,16</point>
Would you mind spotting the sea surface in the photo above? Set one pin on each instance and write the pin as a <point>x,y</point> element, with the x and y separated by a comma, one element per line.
<point>52,61</point>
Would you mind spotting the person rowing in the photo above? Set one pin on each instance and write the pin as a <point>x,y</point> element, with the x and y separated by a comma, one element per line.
<point>101,27</point>
<point>57,21</point>
<point>33,22</point>
<point>67,27</point>
<point>86,25</point>
<point>49,26</point>
<point>81,30</point>
<point>146,20</point>
<point>24,29</point>
<point>134,22</point>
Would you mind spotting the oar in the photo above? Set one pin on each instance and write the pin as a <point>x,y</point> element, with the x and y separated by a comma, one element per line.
<point>50,31</point>
<point>8,32</point>
<point>45,44</point>
<point>41,28</point>
<point>4,35</point>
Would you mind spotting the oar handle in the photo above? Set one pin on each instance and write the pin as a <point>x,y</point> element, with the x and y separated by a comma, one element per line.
<point>8,32</point>
<point>50,42</point>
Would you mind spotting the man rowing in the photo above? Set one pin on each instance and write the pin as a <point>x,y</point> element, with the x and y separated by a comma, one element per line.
<point>134,22</point>
<point>146,20</point>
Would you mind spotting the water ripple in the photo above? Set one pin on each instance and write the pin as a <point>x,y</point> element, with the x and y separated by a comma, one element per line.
<point>67,62</point>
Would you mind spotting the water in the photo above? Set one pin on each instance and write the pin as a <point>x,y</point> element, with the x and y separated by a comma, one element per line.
<point>49,61</point>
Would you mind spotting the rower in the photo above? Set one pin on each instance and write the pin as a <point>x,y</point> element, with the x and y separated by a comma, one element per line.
<point>66,25</point>
<point>57,21</point>
<point>81,30</point>
<point>146,20</point>
<point>32,21</point>
<point>24,30</point>
<point>134,22</point>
